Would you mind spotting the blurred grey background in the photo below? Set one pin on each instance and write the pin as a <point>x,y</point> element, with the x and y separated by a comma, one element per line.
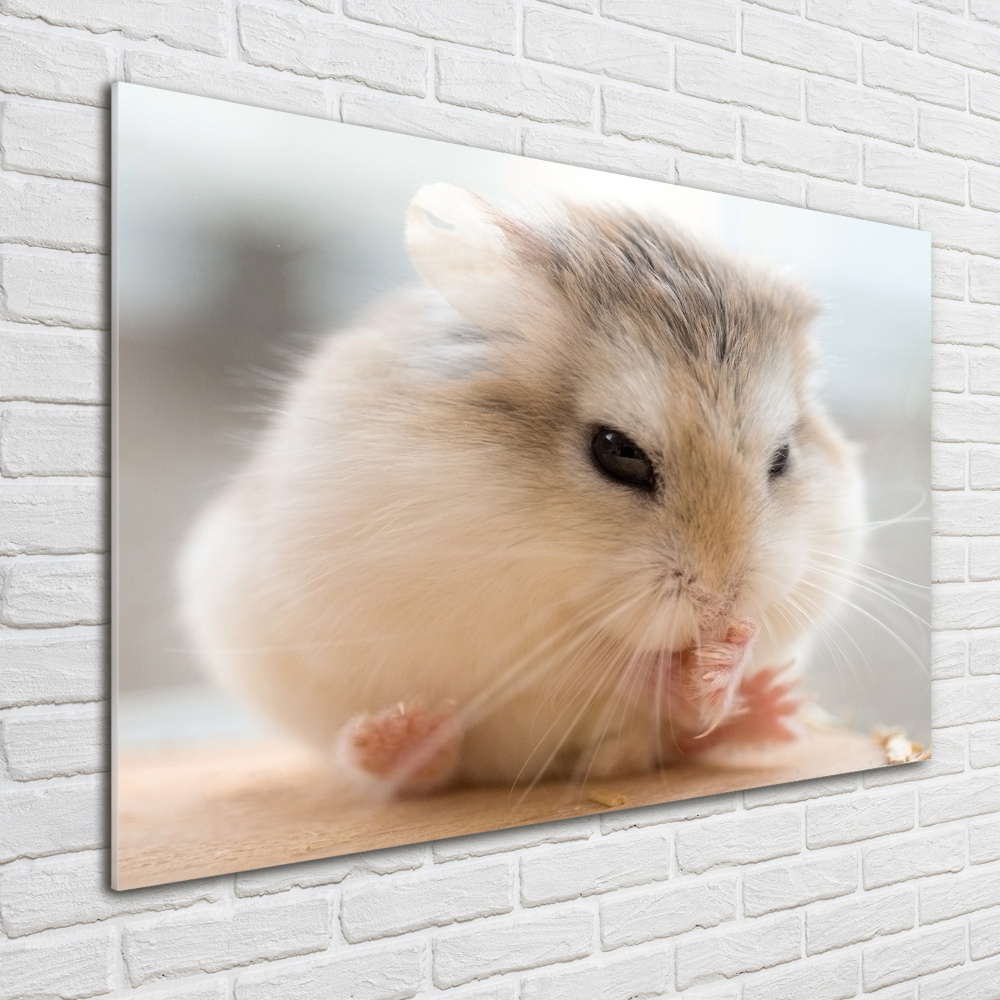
<point>243,235</point>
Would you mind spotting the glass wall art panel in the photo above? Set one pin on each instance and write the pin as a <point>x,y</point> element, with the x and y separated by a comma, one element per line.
<point>458,491</point>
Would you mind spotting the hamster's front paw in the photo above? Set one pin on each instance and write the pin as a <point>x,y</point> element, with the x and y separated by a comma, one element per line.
<point>765,712</point>
<point>408,749</point>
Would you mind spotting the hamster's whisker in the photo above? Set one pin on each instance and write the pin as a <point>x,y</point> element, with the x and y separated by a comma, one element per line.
<point>869,587</point>
<point>818,621</point>
<point>595,689</point>
<point>878,621</point>
<point>867,566</point>
<point>628,678</point>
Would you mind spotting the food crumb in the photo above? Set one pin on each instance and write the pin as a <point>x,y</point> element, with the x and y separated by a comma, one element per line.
<point>899,748</point>
<point>606,798</point>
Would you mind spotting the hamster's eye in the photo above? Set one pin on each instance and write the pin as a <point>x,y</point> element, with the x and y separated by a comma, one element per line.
<point>621,459</point>
<point>779,462</point>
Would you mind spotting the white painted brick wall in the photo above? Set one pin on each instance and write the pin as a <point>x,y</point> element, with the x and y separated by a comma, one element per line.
<point>885,886</point>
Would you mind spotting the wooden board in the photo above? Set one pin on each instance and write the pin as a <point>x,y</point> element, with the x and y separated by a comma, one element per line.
<point>212,809</point>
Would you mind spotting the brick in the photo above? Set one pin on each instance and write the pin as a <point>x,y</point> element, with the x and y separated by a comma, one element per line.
<point>731,178</point>
<point>984,560</point>
<point>984,468</point>
<point>599,152</point>
<point>948,748</point>
<point>979,601</point>
<point>948,467</point>
<point>961,229</point>
<point>960,42</point>
<point>712,22</point>
<point>497,841</point>
<point>430,121</point>
<point>46,667</point>
<point>948,370</point>
<point>596,47</point>
<point>46,365</point>
<point>984,95</point>
<point>732,80</point>
<point>211,77</point>
<point>961,323</point>
<point>58,816</point>
<point>798,44</point>
<point>54,141</point>
<point>903,73</point>
<point>59,966</point>
<point>755,945</point>
<point>210,942</point>
<point>912,955</point>
<point>973,413</point>
<point>860,817</point>
<point>58,67</point>
<point>914,173</point>
<point>51,518</point>
<point>947,275</point>
<point>985,10</point>
<point>383,973</point>
<point>408,903</point>
<point>560,873</point>
<point>669,812</point>
<point>194,24</point>
<point>984,280</point>
<point>799,791</point>
<point>950,896</point>
<point>984,653</point>
<point>50,592</point>
<point>970,983</point>
<point>821,979</point>
<point>788,6</point>
<point>959,135</point>
<point>796,883</point>
<point>321,47</point>
<point>949,655</point>
<point>850,199</point>
<point>958,799</point>
<point>488,24</point>
<point>984,936</point>
<point>53,441</point>
<point>856,109</point>
<point>904,858</point>
<point>738,840</point>
<point>45,744</point>
<point>984,842</point>
<point>620,979</point>
<point>881,20</point>
<point>512,88</point>
<point>686,124</point>
<point>860,918</point>
<point>62,891</point>
<point>58,289</point>
<point>960,702</point>
<point>952,6</point>
<point>329,871</point>
<point>984,187</point>
<point>668,910</point>
<point>511,945</point>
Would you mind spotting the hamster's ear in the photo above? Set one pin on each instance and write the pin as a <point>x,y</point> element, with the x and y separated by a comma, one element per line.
<point>457,245</point>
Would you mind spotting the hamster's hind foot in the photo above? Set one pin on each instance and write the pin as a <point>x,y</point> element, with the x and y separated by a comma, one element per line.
<point>408,749</point>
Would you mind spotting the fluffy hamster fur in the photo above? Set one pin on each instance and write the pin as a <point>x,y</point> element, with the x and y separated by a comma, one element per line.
<point>423,523</point>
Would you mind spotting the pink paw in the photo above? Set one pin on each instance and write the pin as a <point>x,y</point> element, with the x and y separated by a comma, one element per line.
<point>764,712</point>
<point>407,749</point>
<point>701,689</point>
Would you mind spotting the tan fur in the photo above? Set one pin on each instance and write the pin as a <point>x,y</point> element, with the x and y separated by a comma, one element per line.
<point>423,521</point>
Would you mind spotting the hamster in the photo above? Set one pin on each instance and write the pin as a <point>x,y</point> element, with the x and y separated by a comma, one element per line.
<point>570,508</point>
